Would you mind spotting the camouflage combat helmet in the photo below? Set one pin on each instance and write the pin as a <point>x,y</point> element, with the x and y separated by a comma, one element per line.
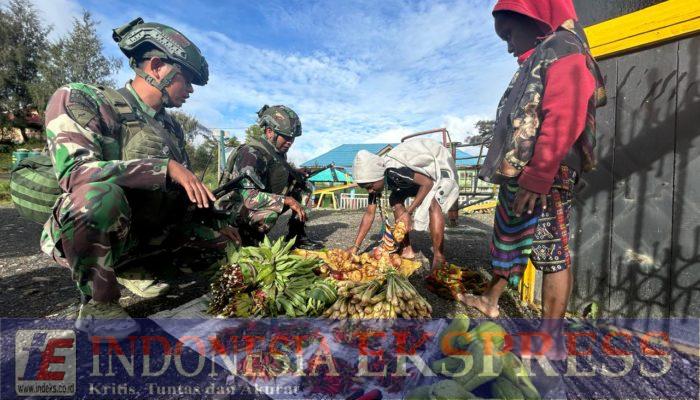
<point>281,119</point>
<point>162,41</point>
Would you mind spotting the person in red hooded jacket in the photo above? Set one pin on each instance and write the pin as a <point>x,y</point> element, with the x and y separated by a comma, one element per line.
<point>543,139</point>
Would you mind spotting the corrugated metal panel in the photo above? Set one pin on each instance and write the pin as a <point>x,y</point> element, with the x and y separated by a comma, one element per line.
<point>343,155</point>
<point>592,219</point>
<point>643,175</point>
<point>685,272</point>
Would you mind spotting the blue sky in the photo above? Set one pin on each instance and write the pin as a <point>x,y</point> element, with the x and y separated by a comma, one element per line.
<point>355,71</point>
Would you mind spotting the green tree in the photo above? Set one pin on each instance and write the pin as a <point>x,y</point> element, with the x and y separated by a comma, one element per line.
<point>253,132</point>
<point>205,157</point>
<point>232,142</point>
<point>23,48</point>
<point>78,57</point>
<point>191,126</point>
<point>485,132</point>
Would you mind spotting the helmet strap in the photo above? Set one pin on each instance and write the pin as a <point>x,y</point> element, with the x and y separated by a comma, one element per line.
<point>160,85</point>
<point>273,142</point>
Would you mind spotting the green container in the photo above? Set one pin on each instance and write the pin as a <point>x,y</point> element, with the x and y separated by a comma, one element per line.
<point>35,152</point>
<point>19,155</point>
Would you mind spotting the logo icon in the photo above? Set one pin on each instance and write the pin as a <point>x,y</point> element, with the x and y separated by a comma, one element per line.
<point>45,362</point>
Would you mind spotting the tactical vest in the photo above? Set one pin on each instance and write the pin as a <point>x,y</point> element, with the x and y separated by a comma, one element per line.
<point>143,136</point>
<point>277,176</point>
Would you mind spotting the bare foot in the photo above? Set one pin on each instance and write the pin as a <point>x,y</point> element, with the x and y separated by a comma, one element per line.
<point>438,261</point>
<point>481,303</point>
<point>408,253</point>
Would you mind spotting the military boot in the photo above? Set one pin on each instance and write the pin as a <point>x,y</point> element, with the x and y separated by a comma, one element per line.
<point>142,283</point>
<point>298,229</point>
<point>105,319</point>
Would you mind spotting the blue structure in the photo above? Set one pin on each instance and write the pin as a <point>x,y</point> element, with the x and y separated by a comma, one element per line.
<point>343,155</point>
<point>331,176</point>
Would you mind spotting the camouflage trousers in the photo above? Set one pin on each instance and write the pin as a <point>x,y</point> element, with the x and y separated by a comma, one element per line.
<point>253,225</point>
<point>91,229</point>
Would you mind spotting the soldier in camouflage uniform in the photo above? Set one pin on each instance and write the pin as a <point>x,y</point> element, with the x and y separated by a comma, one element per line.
<point>257,211</point>
<point>120,160</point>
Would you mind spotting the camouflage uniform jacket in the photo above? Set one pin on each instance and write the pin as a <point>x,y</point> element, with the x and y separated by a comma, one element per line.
<point>248,197</point>
<point>87,143</point>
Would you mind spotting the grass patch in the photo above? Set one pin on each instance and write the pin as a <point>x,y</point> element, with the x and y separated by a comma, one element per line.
<point>4,191</point>
<point>5,162</point>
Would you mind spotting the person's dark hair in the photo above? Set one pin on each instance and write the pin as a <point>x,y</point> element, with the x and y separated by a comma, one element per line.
<point>144,54</point>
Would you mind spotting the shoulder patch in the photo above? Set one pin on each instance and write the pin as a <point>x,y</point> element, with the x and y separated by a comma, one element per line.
<point>81,107</point>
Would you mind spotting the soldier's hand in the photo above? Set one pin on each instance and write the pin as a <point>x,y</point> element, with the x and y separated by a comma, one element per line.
<point>296,207</point>
<point>196,191</point>
<point>231,233</point>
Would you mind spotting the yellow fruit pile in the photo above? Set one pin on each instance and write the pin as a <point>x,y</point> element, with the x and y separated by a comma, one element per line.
<point>342,265</point>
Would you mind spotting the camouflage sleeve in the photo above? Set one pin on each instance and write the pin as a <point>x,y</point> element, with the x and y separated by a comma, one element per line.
<point>81,130</point>
<point>254,199</point>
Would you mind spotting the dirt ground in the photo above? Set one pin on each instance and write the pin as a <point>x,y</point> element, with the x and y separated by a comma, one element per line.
<point>32,285</point>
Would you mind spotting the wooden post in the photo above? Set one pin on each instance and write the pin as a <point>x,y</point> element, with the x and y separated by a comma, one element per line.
<point>222,156</point>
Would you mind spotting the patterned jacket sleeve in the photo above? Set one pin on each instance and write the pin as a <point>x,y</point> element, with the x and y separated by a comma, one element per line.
<point>84,148</point>
<point>254,199</point>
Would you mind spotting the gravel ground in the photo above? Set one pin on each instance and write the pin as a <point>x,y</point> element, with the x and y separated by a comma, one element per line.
<point>32,285</point>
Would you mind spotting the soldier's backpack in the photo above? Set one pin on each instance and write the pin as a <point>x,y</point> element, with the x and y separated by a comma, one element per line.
<point>34,188</point>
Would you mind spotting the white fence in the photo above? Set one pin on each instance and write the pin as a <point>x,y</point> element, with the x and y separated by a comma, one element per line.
<point>360,201</point>
<point>350,201</point>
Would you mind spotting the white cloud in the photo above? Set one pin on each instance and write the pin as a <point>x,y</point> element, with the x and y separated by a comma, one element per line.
<point>393,135</point>
<point>461,127</point>
<point>59,14</point>
<point>363,71</point>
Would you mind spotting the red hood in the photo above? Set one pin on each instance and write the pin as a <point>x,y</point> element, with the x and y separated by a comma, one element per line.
<point>551,13</point>
<point>525,56</point>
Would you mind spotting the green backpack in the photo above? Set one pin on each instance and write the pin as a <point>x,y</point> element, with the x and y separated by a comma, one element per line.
<point>34,188</point>
<point>33,184</point>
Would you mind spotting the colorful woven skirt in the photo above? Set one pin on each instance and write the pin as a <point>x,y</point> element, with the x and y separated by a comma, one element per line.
<point>542,236</point>
<point>511,243</point>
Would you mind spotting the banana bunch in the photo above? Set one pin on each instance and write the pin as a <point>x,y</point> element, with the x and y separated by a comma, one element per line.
<point>278,283</point>
<point>391,297</point>
<point>322,293</point>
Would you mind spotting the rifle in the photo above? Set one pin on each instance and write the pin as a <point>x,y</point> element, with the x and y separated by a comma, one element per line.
<point>246,172</point>
<point>221,191</point>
